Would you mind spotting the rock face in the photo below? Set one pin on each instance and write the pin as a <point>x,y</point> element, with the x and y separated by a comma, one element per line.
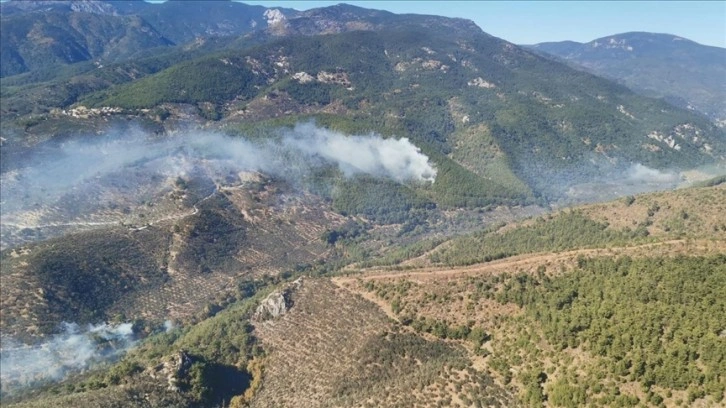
<point>277,303</point>
<point>276,21</point>
<point>273,306</point>
<point>174,370</point>
<point>177,369</point>
<point>274,16</point>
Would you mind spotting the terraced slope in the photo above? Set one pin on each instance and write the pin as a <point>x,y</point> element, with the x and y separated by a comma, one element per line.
<point>581,326</point>
<point>335,349</point>
<point>170,266</point>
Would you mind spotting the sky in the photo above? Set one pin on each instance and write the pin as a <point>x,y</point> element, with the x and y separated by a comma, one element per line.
<point>529,22</point>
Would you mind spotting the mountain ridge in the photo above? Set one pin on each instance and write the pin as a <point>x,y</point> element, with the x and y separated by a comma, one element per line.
<point>682,71</point>
<point>443,82</point>
<point>348,207</point>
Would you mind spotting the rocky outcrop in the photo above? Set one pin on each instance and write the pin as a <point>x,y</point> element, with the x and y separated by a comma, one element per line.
<point>277,303</point>
<point>481,83</point>
<point>174,370</point>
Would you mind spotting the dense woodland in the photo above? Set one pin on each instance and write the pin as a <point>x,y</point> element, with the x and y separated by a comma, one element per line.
<point>612,332</point>
<point>656,321</point>
<point>506,129</point>
<point>568,230</point>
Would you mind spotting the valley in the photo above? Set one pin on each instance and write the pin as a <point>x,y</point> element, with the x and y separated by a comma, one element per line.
<point>455,333</point>
<point>214,204</point>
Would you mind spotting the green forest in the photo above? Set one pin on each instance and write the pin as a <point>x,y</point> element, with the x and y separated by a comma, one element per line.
<point>568,230</point>
<point>655,321</point>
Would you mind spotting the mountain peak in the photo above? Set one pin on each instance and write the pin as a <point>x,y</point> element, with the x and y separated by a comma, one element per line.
<point>643,41</point>
<point>344,17</point>
<point>82,6</point>
<point>686,73</point>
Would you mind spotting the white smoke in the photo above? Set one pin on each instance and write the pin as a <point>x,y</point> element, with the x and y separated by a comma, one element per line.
<point>635,179</point>
<point>168,326</point>
<point>397,159</point>
<point>61,170</point>
<point>644,174</point>
<point>72,350</point>
<point>135,166</point>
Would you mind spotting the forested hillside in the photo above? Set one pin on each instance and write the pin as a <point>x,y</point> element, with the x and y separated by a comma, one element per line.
<point>216,204</point>
<point>519,124</point>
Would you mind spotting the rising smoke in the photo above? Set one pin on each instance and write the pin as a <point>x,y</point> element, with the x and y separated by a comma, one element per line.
<point>396,159</point>
<point>72,350</point>
<point>634,179</point>
<point>88,172</point>
<point>296,152</point>
<point>644,174</point>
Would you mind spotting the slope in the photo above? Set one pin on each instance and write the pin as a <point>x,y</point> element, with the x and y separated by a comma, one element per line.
<point>685,73</point>
<point>580,327</point>
<point>528,330</point>
<point>166,258</point>
<point>39,39</point>
<point>501,114</point>
<point>538,118</point>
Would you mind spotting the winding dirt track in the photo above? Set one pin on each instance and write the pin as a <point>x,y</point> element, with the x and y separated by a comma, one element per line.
<point>531,261</point>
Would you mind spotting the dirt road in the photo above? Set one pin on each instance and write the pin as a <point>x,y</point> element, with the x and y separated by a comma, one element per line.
<point>532,261</point>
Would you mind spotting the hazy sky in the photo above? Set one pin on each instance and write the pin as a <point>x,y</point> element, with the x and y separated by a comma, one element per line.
<point>529,22</point>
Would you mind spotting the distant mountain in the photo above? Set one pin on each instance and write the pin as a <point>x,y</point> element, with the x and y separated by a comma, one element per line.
<point>92,6</point>
<point>685,73</point>
<point>43,38</point>
<point>39,34</point>
<point>185,21</point>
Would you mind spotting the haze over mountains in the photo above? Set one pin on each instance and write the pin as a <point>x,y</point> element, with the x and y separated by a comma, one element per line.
<point>187,185</point>
<point>683,72</point>
<point>449,86</point>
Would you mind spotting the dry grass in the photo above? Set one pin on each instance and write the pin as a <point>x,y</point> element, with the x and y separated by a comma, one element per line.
<point>692,212</point>
<point>281,230</point>
<point>336,349</point>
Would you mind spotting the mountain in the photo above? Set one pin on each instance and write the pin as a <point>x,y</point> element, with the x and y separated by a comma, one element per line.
<point>683,72</point>
<point>347,207</point>
<point>185,21</point>
<point>47,37</point>
<point>448,86</point>
<point>95,7</point>
<point>458,92</point>
<point>44,33</point>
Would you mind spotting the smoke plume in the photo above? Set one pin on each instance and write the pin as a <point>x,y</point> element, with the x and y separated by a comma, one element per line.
<point>644,174</point>
<point>396,159</point>
<point>60,170</point>
<point>72,350</point>
<point>61,186</point>
<point>618,182</point>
